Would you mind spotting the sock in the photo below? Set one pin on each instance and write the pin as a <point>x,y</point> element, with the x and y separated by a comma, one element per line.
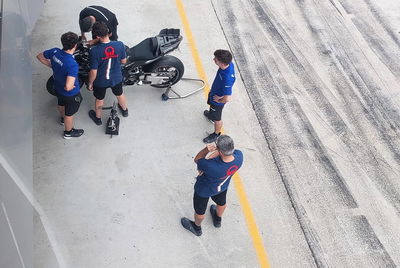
<point>197,228</point>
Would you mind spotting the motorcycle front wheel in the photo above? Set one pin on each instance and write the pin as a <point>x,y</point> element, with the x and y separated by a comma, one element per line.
<point>50,85</point>
<point>168,66</point>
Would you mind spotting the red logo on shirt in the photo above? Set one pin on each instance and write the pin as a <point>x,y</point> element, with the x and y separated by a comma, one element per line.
<point>110,53</point>
<point>231,170</point>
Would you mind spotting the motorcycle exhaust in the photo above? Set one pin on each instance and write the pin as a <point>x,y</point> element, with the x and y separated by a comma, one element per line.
<point>152,79</point>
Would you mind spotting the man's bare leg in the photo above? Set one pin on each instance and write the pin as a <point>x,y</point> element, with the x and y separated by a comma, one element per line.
<point>99,107</point>
<point>217,126</point>
<point>220,210</point>
<point>122,101</point>
<point>61,110</point>
<point>68,122</point>
<point>198,219</point>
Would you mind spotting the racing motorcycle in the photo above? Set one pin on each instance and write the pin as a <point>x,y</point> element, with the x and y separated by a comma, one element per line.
<point>147,62</point>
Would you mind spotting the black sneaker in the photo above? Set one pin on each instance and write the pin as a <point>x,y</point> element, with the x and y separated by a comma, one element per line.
<point>206,114</point>
<point>189,225</point>
<point>211,138</point>
<point>62,121</point>
<point>124,112</point>
<point>74,133</point>
<point>92,115</point>
<point>216,221</point>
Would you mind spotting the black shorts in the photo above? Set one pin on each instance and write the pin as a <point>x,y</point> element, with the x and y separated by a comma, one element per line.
<point>215,112</point>
<point>100,92</point>
<point>200,203</point>
<point>71,103</point>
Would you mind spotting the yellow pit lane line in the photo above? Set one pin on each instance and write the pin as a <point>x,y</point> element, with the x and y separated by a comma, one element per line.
<point>244,202</point>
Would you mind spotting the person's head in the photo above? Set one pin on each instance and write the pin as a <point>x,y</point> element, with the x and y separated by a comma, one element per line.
<point>69,40</point>
<point>99,29</point>
<point>225,145</point>
<point>86,23</point>
<point>222,56</point>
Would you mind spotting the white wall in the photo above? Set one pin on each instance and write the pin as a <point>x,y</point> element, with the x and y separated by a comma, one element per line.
<point>16,231</point>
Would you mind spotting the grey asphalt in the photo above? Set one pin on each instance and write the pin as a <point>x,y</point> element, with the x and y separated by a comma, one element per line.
<point>315,111</point>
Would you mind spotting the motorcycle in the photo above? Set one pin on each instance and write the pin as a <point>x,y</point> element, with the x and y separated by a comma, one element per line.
<point>147,62</point>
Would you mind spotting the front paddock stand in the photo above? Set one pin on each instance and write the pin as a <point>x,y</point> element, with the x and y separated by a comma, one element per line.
<point>112,127</point>
<point>165,96</point>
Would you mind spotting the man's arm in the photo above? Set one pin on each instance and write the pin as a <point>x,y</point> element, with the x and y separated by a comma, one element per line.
<point>70,83</point>
<point>123,61</point>
<point>92,77</point>
<point>204,153</point>
<point>222,99</point>
<point>43,60</point>
<point>201,154</point>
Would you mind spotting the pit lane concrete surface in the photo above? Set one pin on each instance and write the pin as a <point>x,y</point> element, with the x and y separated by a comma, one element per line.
<point>315,111</point>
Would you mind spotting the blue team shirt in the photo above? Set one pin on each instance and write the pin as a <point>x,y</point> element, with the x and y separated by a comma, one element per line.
<point>222,84</point>
<point>106,59</point>
<point>63,65</point>
<point>216,174</point>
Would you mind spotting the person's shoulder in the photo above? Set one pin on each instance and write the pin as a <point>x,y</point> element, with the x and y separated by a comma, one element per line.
<point>229,73</point>
<point>238,154</point>
<point>103,9</point>
<point>53,50</point>
<point>206,162</point>
<point>231,68</point>
<point>69,61</point>
<point>83,12</point>
<point>118,43</point>
<point>96,7</point>
<point>237,151</point>
<point>95,48</point>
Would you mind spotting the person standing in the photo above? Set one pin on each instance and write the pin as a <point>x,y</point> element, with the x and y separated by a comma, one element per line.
<point>105,71</point>
<point>65,73</point>
<point>89,15</point>
<point>216,165</point>
<point>221,91</point>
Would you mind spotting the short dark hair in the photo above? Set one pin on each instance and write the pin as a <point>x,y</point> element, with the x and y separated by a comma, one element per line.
<point>69,40</point>
<point>223,56</point>
<point>86,24</point>
<point>99,29</point>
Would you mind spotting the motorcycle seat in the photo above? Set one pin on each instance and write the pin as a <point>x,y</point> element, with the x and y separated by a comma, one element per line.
<point>146,50</point>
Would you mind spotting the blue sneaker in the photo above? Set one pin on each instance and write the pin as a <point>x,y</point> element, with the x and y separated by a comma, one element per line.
<point>190,226</point>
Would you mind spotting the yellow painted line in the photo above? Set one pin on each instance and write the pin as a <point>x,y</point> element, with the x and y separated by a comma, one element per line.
<point>244,202</point>
<point>192,45</point>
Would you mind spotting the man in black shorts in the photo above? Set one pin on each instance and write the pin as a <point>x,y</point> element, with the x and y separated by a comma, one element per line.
<point>105,71</point>
<point>65,74</point>
<point>221,91</point>
<point>216,163</point>
<point>89,15</point>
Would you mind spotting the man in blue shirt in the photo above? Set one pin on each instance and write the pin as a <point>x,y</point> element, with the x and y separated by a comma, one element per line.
<point>105,71</point>
<point>221,91</point>
<point>65,73</point>
<point>216,165</point>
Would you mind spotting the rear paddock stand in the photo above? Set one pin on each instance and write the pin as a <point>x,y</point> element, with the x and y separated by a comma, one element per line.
<point>165,96</point>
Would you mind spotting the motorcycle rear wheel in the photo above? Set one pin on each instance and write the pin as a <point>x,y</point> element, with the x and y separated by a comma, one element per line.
<point>50,86</point>
<point>167,66</point>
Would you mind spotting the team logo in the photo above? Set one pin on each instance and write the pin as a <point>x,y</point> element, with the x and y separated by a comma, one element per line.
<point>110,53</point>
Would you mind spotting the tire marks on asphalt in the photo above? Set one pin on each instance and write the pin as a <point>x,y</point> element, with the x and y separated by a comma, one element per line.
<point>327,133</point>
